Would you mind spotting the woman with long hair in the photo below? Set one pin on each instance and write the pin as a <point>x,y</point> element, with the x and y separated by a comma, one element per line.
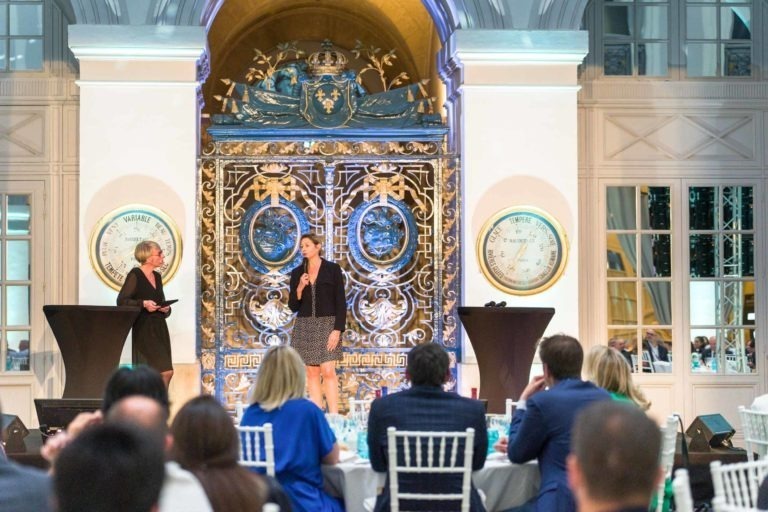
<point>317,295</point>
<point>607,368</point>
<point>205,442</point>
<point>302,437</point>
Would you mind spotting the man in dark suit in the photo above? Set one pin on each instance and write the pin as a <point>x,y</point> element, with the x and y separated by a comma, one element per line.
<point>655,346</point>
<point>426,407</point>
<point>620,345</point>
<point>710,351</point>
<point>541,424</point>
<point>23,488</point>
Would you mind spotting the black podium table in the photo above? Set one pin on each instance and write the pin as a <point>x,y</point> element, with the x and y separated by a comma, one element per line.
<point>504,341</point>
<point>91,339</point>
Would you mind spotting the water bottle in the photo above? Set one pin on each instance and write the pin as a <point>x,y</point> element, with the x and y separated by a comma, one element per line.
<point>238,409</point>
<point>493,438</point>
<point>695,361</point>
<point>362,443</point>
<point>713,364</point>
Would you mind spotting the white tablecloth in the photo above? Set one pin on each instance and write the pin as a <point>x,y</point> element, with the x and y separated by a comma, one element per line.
<point>504,484</point>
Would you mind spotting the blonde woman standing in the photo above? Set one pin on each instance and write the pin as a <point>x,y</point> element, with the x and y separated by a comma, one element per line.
<point>302,437</point>
<point>607,368</point>
<point>143,287</point>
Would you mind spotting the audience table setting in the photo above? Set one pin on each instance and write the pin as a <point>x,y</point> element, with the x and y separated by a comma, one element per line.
<point>503,484</point>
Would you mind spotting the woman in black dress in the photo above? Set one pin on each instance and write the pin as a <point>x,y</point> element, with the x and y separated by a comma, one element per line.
<point>144,287</point>
<point>317,294</point>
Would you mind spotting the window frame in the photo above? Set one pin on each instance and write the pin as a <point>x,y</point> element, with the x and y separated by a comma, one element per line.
<point>757,277</point>
<point>44,68</point>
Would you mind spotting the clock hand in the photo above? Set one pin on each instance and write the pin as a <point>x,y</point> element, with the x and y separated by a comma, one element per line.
<point>519,255</point>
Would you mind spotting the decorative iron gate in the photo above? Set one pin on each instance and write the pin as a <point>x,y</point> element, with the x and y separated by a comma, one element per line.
<point>287,160</point>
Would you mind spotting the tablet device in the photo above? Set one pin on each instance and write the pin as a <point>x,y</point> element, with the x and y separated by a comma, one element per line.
<point>167,303</point>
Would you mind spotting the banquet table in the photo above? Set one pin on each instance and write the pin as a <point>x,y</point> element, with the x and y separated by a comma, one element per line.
<point>504,484</point>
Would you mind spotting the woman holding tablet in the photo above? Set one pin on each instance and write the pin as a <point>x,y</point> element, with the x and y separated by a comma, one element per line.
<point>144,287</point>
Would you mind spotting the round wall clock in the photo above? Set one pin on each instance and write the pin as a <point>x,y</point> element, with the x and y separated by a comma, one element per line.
<point>114,239</point>
<point>522,250</point>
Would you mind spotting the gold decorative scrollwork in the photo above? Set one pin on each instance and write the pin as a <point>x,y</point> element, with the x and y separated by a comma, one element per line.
<point>326,148</point>
<point>243,361</point>
<point>208,360</point>
<point>374,360</point>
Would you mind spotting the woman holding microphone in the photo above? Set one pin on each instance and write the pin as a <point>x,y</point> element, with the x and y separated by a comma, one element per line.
<point>317,295</point>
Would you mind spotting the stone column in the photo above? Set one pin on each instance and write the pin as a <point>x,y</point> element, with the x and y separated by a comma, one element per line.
<point>512,99</point>
<point>139,139</point>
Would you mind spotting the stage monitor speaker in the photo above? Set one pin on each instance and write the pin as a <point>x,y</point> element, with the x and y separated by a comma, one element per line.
<point>13,432</point>
<point>709,431</point>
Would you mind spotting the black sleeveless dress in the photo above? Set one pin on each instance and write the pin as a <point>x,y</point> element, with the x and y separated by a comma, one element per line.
<point>151,340</point>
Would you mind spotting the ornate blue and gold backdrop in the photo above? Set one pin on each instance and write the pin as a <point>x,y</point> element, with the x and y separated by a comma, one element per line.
<point>383,198</point>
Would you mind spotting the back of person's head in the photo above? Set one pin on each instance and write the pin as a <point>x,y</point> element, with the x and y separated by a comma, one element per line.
<point>204,435</point>
<point>563,356</point>
<point>428,365</point>
<point>206,443</point>
<point>609,370</point>
<point>141,380</point>
<point>281,377</point>
<point>140,411</point>
<point>615,451</point>
<point>110,468</point>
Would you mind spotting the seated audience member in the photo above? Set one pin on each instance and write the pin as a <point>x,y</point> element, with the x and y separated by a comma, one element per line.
<point>655,346</point>
<point>699,343</point>
<point>762,495</point>
<point>141,382</point>
<point>541,424</point>
<point>750,351</point>
<point>110,468</point>
<point>181,490</point>
<point>614,460</point>
<point>206,443</point>
<point>620,345</point>
<point>711,351</point>
<point>606,368</point>
<point>426,406</point>
<point>302,437</point>
<point>23,489</point>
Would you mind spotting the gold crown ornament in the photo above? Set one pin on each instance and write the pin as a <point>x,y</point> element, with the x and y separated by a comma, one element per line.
<point>327,61</point>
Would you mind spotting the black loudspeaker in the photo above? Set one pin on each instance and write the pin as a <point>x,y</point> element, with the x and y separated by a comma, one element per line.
<point>709,431</point>
<point>13,433</point>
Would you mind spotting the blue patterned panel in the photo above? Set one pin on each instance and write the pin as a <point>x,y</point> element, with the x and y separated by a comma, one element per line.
<point>382,236</point>
<point>269,235</point>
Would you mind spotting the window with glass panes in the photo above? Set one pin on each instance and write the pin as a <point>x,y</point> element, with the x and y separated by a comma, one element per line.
<point>15,280</point>
<point>721,247</point>
<point>718,38</point>
<point>639,274</point>
<point>21,35</point>
<point>635,37</point>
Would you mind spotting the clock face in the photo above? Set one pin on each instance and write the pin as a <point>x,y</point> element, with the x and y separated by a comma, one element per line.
<point>115,236</point>
<point>522,250</point>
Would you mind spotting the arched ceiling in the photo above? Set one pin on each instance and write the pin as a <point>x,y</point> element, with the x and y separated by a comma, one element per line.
<point>448,15</point>
<point>242,25</point>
